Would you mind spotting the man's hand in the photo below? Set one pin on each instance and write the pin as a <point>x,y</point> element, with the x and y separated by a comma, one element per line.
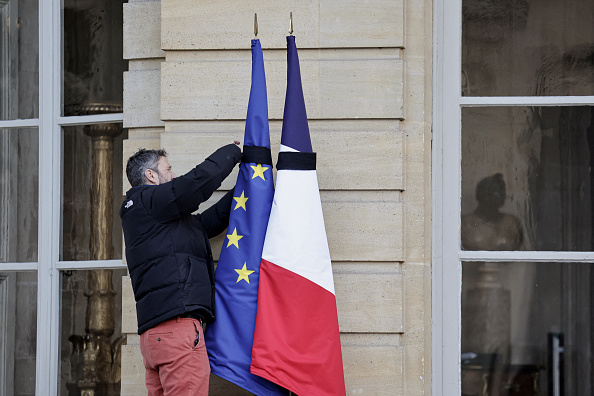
<point>235,142</point>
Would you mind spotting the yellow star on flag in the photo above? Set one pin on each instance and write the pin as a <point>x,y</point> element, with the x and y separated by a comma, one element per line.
<point>234,238</point>
<point>244,274</point>
<point>240,201</point>
<point>259,171</point>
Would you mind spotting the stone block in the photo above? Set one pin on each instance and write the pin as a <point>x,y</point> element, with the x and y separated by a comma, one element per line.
<point>142,98</point>
<point>142,30</point>
<point>365,84</point>
<point>369,297</point>
<point>363,225</point>
<point>132,371</point>
<point>346,158</point>
<point>358,160</point>
<point>129,322</point>
<point>145,133</point>
<point>145,64</point>
<point>373,364</point>
<point>356,23</point>
<point>317,23</point>
<point>132,339</point>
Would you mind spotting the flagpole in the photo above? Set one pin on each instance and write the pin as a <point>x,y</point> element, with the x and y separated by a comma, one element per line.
<point>255,26</point>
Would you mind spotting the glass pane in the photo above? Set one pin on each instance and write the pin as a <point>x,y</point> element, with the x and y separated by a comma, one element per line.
<point>528,48</point>
<point>92,192</point>
<point>91,308</point>
<point>18,332</point>
<point>526,178</point>
<point>19,59</point>
<point>93,63</point>
<point>19,194</point>
<point>527,329</point>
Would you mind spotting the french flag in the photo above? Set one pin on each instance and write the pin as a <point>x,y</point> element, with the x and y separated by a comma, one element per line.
<point>296,340</point>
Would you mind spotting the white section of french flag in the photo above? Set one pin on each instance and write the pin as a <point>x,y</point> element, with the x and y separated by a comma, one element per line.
<point>296,236</point>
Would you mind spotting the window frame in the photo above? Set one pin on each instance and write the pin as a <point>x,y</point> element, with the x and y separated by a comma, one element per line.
<point>447,256</point>
<point>48,266</point>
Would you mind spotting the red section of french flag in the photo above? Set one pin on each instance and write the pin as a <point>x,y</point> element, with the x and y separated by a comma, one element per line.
<point>298,343</point>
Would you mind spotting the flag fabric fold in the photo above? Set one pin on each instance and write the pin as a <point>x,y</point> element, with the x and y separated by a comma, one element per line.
<point>296,341</point>
<point>229,338</point>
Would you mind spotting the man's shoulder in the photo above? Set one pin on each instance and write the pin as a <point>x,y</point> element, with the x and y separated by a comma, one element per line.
<point>132,198</point>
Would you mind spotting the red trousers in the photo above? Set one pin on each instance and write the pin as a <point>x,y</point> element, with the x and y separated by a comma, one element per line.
<point>175,364</point>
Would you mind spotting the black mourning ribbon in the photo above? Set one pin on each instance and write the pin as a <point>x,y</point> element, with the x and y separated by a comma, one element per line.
<point>296,161</point>
<point>256,155</point>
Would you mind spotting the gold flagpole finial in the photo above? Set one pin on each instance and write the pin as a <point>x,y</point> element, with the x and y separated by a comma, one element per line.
<point>255,25</point>
<point>291,24</point>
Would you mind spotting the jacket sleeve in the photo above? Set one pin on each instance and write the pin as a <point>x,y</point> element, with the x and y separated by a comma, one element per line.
<point>215,219</point>
<point>182,195</point>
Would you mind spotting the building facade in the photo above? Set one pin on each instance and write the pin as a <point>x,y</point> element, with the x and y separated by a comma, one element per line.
<point>454,145</point>
<point>187,89</point>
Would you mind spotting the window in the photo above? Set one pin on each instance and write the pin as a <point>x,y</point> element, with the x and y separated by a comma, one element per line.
<point>513,239</point>
<point>61,134</point>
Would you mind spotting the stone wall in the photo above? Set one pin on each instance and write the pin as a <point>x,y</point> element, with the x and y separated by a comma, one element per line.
<point>366,78</point>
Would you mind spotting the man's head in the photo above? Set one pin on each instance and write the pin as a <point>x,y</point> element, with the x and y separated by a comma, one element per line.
<point>149,167</point>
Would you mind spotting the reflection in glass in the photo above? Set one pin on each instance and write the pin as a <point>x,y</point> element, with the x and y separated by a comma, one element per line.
<point>18,332</point>
<point>529,331</point>
<point>92,192</point>
<point>93,63</point>
<point>91,307</point>
<point>487,228</point>
<point>19,59</point>
<point>528,48</point>
<point>541,157</point>
<point>19,191</point>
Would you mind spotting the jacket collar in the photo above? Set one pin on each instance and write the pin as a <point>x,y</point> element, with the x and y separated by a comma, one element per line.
<point>136,189</point>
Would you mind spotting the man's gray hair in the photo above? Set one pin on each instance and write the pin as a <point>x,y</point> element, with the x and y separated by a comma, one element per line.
<point>142,160</point>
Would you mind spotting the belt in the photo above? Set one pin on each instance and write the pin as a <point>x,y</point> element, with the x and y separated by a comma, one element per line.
<point>191,315</point>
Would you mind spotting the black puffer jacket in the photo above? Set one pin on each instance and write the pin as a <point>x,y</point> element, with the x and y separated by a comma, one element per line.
<point>167,248</point>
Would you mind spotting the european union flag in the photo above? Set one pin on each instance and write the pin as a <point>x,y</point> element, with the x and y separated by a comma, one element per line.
<point>229,339</point>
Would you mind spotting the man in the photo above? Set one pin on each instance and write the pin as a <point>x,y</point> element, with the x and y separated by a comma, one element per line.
<point>170,263</point>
